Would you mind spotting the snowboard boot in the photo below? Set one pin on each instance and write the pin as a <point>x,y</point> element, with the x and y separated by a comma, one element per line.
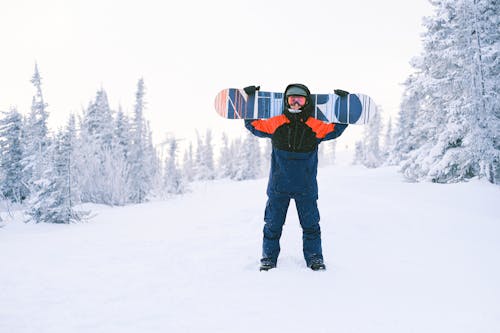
<point>266,264</point>
<point>316,264</point>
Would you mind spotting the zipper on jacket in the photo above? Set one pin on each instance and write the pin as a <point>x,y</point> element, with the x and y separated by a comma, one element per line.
<point>301,138</point>
<point>295,135</point>
<point>289,137</point>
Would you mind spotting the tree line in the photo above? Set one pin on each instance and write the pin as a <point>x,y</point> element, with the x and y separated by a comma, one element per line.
<point>447,131</point>
<point>105,156</point>
<point>449,120</point>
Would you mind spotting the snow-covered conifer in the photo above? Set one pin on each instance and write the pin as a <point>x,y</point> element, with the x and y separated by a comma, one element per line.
<point>358,153</point>
<point>326,152</point>
<point>122,133</point>
<point>372,155</point>
<point>69,141</point>
<point>248,161</point>
<point>388,141</point>
<point>141,180</point>
<point>98,121</point>
<point>11,155</point>
<point>174,182</point>
<point>455,131</point>
<point>188,164</point>
<point>96,146</point>
<point>53,200</point>
<point>204,158</point>
<point>153,163</point>
<point>35,137</point>
<point>226,159</point>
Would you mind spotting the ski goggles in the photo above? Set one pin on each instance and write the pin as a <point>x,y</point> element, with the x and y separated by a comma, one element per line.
<point>300,100</point>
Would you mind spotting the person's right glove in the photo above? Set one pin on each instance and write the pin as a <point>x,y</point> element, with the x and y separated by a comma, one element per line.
<point>250,90</point>
<point>340,92</point>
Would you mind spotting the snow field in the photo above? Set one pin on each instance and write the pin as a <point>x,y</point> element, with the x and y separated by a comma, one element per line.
<point>401,257</point>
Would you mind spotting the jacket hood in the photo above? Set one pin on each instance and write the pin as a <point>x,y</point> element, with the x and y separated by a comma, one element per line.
<point>307,109</point>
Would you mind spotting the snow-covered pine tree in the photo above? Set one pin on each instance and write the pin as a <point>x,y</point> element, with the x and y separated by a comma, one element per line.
<point>141,180</point>
<point>35,137</point>
<point>53,200</point>
<point>255,156</point>
<point>98,121</point>
<point>87,164</point>
<point>406,121</point>
<point>372,155</point>
<point>235,148</point>
<point>188,164</point>
<point>485,64</point>
<point>226,159</point>
<point>103,174</point>
<point>38,116</point>
<point>415,124</point>
<point>122,133</point>
<point>327,152</point>
<point>388,141</point>
<point>358,153</point>
<point>11,155</point>
<point>116,185</point>
<point>455,134</point>
<point>69,144</point>
<point>464,146</point>
<point>248,159</point>
<point>173,180</point>
<point>430,93</point>
<point>153,163</point>
<point>204,158</point>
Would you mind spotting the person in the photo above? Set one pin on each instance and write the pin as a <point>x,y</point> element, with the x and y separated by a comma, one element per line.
<point>295,136</point>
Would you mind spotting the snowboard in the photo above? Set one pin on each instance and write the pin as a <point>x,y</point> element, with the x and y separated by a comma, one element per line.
<point>351,109</point>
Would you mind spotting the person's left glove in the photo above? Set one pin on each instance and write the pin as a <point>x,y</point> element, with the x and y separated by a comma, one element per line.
<point>250,90</point>
<point>340,92</point>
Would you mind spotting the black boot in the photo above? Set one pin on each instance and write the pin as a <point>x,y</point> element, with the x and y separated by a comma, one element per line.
<point>316,264</point>
<point>267,264</point>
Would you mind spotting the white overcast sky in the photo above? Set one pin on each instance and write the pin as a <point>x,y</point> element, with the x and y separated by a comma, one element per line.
<point>188,50</point>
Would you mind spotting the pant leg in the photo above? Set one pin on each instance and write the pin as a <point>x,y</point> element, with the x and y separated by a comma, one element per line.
<point>275,215</point>
<point>308,212</point>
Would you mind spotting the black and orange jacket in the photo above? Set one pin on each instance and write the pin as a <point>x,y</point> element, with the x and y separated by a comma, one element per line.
<point>294,158</point>
<point>295,139</point>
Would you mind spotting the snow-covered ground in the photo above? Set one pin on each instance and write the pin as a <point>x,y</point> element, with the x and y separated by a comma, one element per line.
<point>401,257</point>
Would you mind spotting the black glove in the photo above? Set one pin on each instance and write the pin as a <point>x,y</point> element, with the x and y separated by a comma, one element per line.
<point>250,90</point>
<point>340,92</point>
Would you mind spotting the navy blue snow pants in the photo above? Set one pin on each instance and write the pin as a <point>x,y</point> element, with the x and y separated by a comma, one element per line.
<point>275,215</point>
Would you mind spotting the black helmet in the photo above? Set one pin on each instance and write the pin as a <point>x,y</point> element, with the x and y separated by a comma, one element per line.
<point>296,90</point>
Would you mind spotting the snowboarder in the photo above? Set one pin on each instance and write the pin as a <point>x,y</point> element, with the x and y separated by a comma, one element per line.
<point>295,136</point>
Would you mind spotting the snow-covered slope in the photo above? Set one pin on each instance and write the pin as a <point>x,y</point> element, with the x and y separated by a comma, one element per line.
<point>400,257</point>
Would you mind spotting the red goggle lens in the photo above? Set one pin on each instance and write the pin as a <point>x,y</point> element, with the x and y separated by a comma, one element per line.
<point>300,100</point>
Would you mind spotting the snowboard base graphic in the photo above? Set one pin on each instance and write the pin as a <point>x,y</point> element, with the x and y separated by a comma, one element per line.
<point>351,109</point>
